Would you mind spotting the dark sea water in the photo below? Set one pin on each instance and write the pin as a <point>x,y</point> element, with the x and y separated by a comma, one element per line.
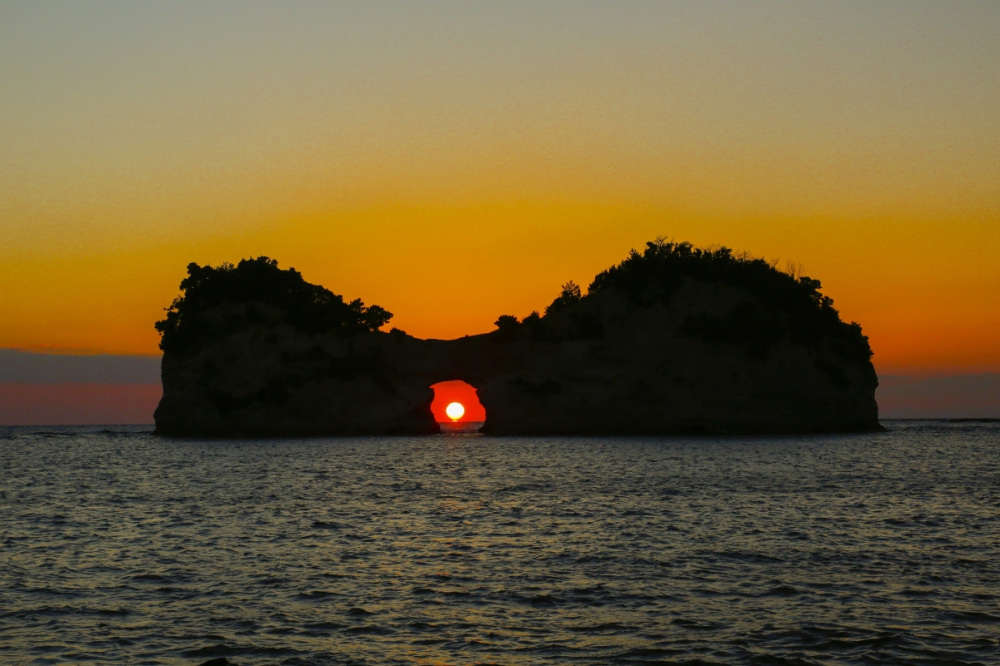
<point>117,546</point>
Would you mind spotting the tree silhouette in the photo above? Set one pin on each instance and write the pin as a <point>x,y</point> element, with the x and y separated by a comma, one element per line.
<point>655,274</point>
<point>791,306</point>
<point>257,290</point>
<point>570,295</point>
<point>506,323</point>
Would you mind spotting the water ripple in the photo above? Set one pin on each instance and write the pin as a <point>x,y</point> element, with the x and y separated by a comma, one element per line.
<point>120,547</point>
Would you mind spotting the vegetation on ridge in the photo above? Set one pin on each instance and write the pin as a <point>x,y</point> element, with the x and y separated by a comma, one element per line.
<point>779,306</point>
<point>253,283</point>
<point>654,275</point>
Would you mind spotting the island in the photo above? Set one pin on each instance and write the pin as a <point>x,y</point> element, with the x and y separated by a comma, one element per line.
<point>673,340</point>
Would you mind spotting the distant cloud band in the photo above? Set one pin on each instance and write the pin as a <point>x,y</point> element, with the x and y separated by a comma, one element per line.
<point>951,396</point>
<point>19,367</point>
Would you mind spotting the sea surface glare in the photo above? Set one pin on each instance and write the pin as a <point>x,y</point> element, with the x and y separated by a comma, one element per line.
<point>117,546</point>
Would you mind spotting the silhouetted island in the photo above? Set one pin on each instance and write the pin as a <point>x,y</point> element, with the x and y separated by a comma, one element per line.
<point>673,340</point>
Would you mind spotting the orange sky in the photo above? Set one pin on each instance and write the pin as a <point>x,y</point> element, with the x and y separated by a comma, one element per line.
<point>454,162</point>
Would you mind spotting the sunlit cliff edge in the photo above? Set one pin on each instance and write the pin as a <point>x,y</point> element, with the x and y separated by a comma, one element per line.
<point>673,340</point>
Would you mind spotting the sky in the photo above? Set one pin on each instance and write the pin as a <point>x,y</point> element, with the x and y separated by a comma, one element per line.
<point>454,161</point>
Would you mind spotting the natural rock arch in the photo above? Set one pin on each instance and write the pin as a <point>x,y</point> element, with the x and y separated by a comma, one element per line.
<point>675,340</point>
<point>462,392</point>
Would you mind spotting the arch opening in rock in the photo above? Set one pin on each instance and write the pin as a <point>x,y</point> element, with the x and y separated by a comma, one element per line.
<point>468,418</point>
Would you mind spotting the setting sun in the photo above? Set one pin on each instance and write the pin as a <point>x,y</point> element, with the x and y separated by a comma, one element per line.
<point>455,411</point>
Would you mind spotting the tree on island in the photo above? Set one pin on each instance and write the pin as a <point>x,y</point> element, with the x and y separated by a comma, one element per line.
<point>570,295</point>
<point>654,275</point>
<point>253,283</point>
<point>506,323</point>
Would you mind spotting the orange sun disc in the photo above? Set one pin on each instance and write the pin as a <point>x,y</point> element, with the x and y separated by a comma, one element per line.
<point>455,411</point>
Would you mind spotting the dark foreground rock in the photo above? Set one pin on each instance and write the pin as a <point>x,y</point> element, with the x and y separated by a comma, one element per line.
<point>671,341</point>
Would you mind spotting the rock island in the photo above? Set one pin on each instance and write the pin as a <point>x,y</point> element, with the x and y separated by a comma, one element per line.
<point>673,340</point>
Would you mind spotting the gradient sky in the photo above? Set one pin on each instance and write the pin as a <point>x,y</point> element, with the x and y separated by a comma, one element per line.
<point>454,161</point>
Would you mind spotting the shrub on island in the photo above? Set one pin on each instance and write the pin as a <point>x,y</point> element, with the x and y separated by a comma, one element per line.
<point>261,289</point>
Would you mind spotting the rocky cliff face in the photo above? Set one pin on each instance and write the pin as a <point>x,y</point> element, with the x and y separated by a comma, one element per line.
<point>645,374</point>
<point>702,356</point>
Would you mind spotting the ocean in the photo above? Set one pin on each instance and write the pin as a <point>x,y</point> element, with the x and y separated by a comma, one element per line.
<point>119,546</point>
